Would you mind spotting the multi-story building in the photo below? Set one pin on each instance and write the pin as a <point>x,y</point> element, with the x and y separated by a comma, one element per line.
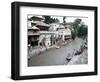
<point>47,35</point>
<point>44,38</point>
<point>60,31</point>
<point>69,25</point>
<point>49,38</point>
<point>33,36</point>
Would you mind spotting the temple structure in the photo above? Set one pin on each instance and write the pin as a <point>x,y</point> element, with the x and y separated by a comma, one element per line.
<point>42,34</point>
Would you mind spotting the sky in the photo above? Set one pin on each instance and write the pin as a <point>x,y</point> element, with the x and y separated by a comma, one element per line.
<point>68,19</point>
<point>71,19</point>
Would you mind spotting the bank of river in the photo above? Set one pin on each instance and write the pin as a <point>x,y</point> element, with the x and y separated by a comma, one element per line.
<point>58,56</point>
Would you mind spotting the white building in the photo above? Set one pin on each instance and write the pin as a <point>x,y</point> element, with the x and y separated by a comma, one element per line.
<point>60,31</point>
<point>45,38</point>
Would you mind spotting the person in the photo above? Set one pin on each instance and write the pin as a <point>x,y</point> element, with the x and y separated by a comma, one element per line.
<point>69,57</point>
<point>29,47</point>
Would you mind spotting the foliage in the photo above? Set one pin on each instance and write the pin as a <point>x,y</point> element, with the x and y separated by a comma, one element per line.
<point>64,19</point>
<point>76,23</point>
<point>49,20</point>
<point>73,35</point>
<point>80,29</point>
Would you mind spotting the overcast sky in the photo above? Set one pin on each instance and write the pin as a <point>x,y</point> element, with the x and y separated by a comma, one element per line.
<point>71,19</point>
<point>68,19</point>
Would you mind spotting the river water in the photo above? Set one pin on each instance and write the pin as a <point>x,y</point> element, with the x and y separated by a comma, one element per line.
<point>58,56</point>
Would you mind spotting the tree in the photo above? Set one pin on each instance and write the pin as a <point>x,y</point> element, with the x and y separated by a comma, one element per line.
<point>64,19</point>
<point>73,35</point>
<point>49,20</point>
<point>56,20</point>
<point>76,23</point>
<point>82,30</point>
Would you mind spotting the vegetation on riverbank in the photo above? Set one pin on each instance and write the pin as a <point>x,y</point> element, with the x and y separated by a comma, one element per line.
<point>79,29</point>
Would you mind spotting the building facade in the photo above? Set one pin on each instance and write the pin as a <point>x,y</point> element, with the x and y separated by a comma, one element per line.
<point>33,36</point>
<point>42,34</point>
<point>44,38</point>
<point>60,30</point>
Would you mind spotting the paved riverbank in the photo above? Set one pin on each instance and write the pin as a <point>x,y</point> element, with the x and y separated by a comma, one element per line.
<point>40,49</point>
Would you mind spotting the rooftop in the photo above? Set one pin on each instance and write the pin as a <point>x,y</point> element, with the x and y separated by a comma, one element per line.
<point>40,23</point>
<point>35,18</point>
